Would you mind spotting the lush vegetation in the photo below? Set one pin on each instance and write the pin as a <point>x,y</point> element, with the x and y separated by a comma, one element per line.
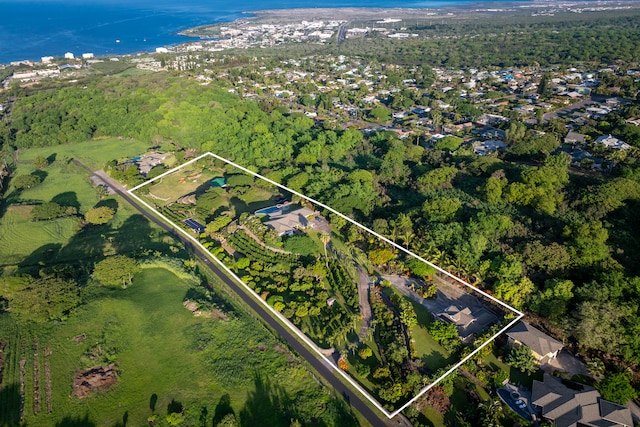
<point>549,235</point>
<point>62,283</point>
<point>161,351</point>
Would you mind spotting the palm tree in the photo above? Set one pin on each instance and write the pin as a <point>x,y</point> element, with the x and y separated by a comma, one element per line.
<point>407,236</point>
<point>324,238</point>
<point>491,413</point>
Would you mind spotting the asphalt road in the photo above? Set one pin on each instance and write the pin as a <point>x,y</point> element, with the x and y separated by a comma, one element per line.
<point>352,398</point>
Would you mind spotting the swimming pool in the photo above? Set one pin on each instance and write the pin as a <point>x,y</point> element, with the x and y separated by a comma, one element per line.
<point>268,211</point>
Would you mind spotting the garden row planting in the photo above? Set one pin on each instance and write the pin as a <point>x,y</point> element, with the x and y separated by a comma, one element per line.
<point>342,282</point>
<point>247,246</point>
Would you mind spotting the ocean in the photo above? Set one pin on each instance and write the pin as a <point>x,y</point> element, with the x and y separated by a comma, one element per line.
<point>32,29</point>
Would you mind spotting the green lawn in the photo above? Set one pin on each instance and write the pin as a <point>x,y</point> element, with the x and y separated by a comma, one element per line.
<point>65,183</point>
<point>63,240</point>
<point>182,182</point>
<point>432,354</point>
<point>162,349</point>
<point>94,153</point>
<point>20,237</point>
<point>515,376</point>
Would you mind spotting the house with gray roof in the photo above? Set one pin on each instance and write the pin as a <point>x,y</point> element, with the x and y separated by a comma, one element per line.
<point>571,404</point>
<point>461,317</point>
<point>543,347</point>
<point>575,138</point>
<point>290,221</point>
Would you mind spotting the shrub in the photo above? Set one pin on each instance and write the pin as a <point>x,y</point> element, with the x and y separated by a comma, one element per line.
<point>22,182</point>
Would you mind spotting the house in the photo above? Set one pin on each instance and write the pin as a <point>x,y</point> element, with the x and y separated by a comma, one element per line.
<point>612,142</point>
<point>570,404</point>
<point>543,347</point>
<point>149,161</point>
<point>487,147</point>
<point>290,221</point>
<point>575,138</point>
<point>461,317</point>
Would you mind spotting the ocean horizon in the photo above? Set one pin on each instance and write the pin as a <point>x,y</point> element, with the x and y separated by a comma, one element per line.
<point>30,29</point>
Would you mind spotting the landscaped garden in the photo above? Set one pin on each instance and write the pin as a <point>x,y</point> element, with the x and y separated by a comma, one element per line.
<point>268,237</point>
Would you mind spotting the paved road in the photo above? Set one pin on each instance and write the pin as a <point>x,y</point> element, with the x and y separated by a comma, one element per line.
<point>320,366</point>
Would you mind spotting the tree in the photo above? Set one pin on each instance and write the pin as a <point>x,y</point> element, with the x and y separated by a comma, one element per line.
<point>175,418</point>
<point>521,358</point>
<point>443,331</point>
<point>553,301</point>
<point>450,143</point>
<point>381,257</point>
<point>408,314</point>
<point>22,182</point>
<point>228,420</point>
<point>441,208</point>
<point>493,188</point>
<point>380,113</point>
<point>116,270</point>
<point>600,325</point>
<point>324,238</point>
<point>218,223</point>
<point>515,293</point>
<point>420,268</point>
<point>365,352</point>
<point>51,210</point>
<point>42,299</point>
<point>99,215</point>
<point>40,162</point>
<point>491,413</point>
<point>617,388</point>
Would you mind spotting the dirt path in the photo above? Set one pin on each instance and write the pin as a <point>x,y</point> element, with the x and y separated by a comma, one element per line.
<point>36,378</point>
<point>365,305</point>
<point>261,243</point>
<point>472,378</point>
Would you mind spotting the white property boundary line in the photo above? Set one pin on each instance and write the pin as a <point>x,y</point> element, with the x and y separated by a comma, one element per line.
<point>286,321</point>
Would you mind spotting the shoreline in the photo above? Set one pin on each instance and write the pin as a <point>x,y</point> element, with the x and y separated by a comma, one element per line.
<point>500,9</point>
<point>480,8</point>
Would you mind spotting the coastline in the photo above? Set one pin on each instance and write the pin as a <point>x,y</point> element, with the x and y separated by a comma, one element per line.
<point>368,16</point>
<point>448,11</point>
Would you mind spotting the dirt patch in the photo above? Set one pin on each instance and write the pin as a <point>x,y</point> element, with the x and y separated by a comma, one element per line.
<point>96,378</point>
<point>79,338</point>
<point>24,211</point>
<point>197,311</point>
<point>217,314</point>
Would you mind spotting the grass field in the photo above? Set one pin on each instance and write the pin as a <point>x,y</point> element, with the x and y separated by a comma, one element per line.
<point>20,238</point>
<point>182,182</point>
<point>94,153</point>
<point>162,349</point>
<point>68,184</point>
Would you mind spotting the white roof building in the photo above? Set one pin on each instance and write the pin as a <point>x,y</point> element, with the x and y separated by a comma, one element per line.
<point>613,142</point>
